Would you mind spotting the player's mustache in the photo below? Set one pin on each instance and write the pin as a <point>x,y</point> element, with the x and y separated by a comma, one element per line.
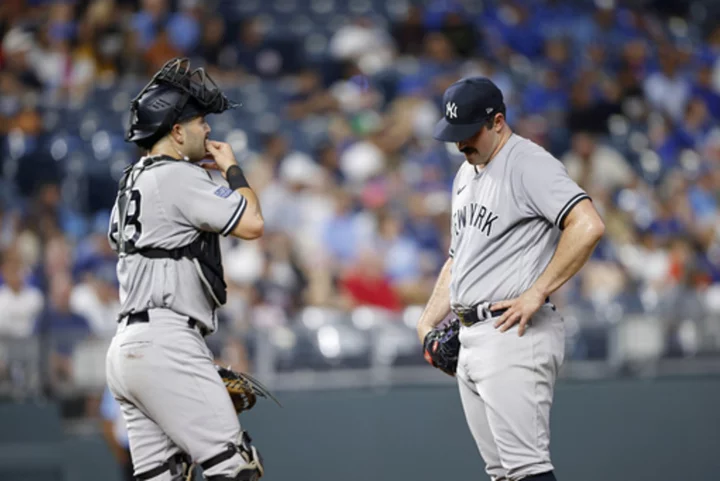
<point>468,150</point>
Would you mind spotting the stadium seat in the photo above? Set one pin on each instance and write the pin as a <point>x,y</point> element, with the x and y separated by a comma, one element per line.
<point>368,317</point>
<point>301,25</point>
<point>359,7</point>
<point>314,317</point>
<point>638,339</point>
<point>247,7</point>
<point>22,361</point>
<point>300,353</point>
<point>343,346</point>
<point>315,45</point>
<point>396,344</point>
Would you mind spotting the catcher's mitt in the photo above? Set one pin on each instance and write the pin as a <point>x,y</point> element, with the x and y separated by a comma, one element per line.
<point>442,346</point>
<point>243,389</point>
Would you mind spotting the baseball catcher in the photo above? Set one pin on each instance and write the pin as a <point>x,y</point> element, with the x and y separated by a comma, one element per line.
<point>169,215</point>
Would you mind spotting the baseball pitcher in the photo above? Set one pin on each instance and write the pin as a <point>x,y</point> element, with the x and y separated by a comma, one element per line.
<point>520,229</point>
<point>165,227</point>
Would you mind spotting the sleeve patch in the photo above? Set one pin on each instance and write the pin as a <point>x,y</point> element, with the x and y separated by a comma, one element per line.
<point>223,192</point>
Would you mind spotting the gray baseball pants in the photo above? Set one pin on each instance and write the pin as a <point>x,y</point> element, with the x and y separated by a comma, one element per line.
<point>506,385</point>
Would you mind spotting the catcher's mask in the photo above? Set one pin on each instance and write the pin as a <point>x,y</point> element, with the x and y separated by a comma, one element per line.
<point>174,94</point>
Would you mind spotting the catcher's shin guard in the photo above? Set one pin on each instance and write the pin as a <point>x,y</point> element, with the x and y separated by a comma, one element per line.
<point>251,470</point>
<point>176,468</point>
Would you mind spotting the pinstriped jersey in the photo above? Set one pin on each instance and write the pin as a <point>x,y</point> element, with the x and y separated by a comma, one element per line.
<point>170,204</point>
<point>506,220</point>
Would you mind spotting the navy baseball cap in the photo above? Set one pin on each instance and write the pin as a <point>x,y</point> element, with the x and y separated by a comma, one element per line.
<point>468,104</point>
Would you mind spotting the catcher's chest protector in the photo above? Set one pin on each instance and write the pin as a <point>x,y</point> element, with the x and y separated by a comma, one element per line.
<point>207,257</point>
<point>204,251</point>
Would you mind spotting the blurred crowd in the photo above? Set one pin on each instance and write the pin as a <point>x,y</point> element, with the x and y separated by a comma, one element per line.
<point>339,100</point>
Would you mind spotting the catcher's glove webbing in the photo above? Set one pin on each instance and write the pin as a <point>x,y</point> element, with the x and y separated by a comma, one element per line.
<point>442,346</point>
<point>243,389</point>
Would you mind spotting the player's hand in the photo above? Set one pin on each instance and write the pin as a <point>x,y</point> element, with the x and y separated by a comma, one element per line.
<point>521,309</point>
<point>222,155</point>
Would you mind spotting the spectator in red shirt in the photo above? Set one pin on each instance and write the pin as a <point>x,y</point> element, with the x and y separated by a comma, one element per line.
<point>366,284</point>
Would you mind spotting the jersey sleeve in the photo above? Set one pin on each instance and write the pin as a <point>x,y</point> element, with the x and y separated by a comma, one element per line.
<point>205,204</point>
<point>546,189</point>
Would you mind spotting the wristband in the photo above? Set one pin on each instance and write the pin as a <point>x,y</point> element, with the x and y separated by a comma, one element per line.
<point>235,177</point>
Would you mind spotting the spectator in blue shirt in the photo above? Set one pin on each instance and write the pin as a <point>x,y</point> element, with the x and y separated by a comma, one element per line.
<point>548,96</point>
<point>513,23</point>
<point>347,232</point>
<point>403,263</point>
<point>184,30</point>
<point>61,328</point>
<point>149,21</point>
<point>702,198</point>
<point>703,88</point>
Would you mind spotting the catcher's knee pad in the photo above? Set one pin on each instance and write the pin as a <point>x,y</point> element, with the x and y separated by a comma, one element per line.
<point>174,469</point>
<point>548,476</point>
<point>239,462</point>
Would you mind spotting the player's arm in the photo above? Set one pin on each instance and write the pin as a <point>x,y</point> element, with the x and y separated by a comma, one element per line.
<point>582,230</point>
<point>207,206</point>
<point>547,191</point>
<point>249,223</point>
<point>438,306</point>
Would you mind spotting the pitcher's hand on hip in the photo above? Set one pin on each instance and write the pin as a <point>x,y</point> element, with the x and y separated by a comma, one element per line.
<point>521,309</point>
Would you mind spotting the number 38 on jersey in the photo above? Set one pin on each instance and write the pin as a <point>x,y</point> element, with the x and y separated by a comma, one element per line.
<point>133,227</point>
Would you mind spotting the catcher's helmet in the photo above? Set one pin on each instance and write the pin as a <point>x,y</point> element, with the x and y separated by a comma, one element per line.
<point>175,93</point>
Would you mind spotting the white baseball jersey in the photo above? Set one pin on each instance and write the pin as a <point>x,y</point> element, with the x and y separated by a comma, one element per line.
<point>506,220</point>
<point>171,202</point>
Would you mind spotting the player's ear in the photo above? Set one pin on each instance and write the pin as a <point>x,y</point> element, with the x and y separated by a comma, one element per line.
<point>498,121</point>
<point>178,133</point>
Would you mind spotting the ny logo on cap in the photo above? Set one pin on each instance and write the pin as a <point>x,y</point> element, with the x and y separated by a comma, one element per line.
<point>451,110</point>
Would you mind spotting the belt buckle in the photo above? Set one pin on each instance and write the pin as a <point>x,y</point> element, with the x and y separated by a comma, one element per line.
<point>461,316</point>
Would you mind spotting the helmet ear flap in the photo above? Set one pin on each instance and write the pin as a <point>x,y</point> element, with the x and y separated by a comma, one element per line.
<point>154,112</point>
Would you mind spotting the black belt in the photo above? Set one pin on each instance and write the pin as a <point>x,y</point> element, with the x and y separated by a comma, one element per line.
<point>143,316</point>
<point>469,317</point>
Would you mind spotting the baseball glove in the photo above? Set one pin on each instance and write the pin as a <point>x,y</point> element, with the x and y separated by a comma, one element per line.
<point>442,346</point>
<point>243,389</point>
